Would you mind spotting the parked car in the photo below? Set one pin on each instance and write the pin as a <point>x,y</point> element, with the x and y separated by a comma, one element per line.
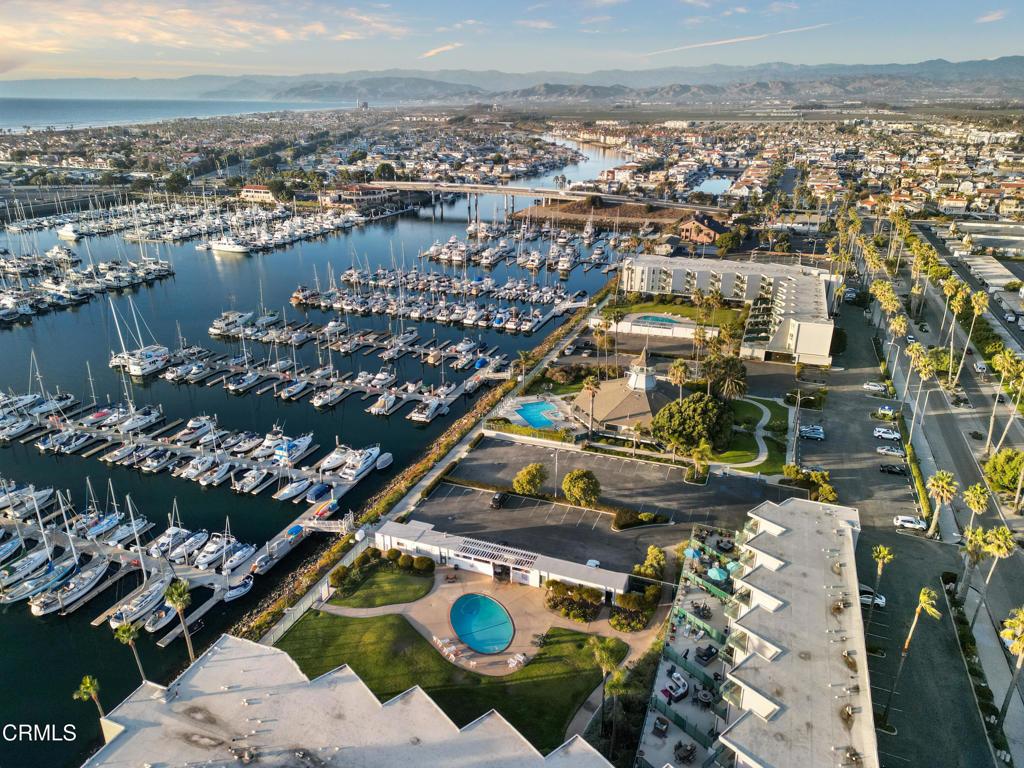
<point>868,595</point>
<point>887,412</point>
<point>593,563</point>
<point>498,500</point>
<point>819,436</point>
<point>874,386</point>
<point>706,655</point>
<point>884,433</point>
<point>911,338</point>
<point>910,523</point>
<point>980,367</point>
<point>891,450</point>
<point>893,469</point>
<point>569,349</point>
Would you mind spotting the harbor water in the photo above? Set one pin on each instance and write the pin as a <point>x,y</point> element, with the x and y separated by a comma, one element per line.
<point>45,658</point>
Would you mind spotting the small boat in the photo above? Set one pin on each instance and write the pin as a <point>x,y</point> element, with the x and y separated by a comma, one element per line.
<point>385,461</point>
<point>140,605</point>
<point>240,589</point>
<point>160,618</point>
<point>335,458</point>
<point>247,442</point>
<point>317,492</point>
<point>293,489</point>
<point>384,404</point>
<point>240,554</point>
<point>189,546</point>
<point>104,524</point>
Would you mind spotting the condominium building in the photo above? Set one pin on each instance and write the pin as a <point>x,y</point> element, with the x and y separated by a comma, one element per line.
<point>798,684</point>
<point>789,305</point>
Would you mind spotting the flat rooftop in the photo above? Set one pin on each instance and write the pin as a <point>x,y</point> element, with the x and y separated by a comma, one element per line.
<point>809,680</point>
<point>243,698</point>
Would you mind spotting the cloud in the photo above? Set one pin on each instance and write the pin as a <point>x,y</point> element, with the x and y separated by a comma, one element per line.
<point>536,23</point>
<point>536,6</point>
<point>743,39</point>
<point>605,3</point>
<point>698,3</point>
<point>595,20</point>
<point>440,49</point>
<point>781,7</point>
<point>738,10</point>
<point>991,16</point>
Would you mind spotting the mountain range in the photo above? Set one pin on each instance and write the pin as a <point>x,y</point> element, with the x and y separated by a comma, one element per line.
<point>1001,78</point>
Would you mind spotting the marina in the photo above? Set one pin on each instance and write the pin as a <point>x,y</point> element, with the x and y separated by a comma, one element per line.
<point>177,314</point>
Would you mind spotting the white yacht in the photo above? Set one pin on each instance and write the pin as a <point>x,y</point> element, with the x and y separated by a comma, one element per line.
<point>360,463</point>
<point>384,404</point>
<point>336,458</point>
<point>427,410</point>
<point>148,360</point>
<point>144,417</point>
<point>293,489</point>
<point>79,586</point>
<point>295,449</point>
<point>215,549</point>
<point>144,602</point>
<point>228,244</point>
<point>239,554</point>
<point>168,541</point>
<point>183,551</point>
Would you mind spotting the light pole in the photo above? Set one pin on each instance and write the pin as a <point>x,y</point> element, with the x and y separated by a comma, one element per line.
<point>555,454</point>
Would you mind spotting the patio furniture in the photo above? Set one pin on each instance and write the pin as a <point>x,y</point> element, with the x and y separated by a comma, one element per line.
<point>685,753</point>
<point>705,697</point>
<point>660,727</point>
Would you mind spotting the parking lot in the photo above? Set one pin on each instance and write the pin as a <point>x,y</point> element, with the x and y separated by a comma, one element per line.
<point>556,530</point>
<point>640,485</point>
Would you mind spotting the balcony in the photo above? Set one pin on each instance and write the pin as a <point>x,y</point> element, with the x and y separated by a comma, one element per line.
<point>738,606</point>
<point>732,694</point>
<point>737,640</point>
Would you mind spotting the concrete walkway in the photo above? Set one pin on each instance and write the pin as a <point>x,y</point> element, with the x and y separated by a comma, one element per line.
<point>762,446</point>
<point>998,672</point>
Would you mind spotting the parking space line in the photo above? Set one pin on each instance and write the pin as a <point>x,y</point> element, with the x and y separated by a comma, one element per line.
<point>597,519</point>
<point>564,514</point>
<point>583,513</point>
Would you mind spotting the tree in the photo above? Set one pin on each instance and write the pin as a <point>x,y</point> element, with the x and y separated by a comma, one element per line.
<point>581,488</point>
<point>882,555</point>
<point>925,604</point>
<point>405,562</point>
<point>1008,365</point>
<point>603,649</point>
<point>942,488</point>
<point>127,634</point>
<point>279,189</point>
<point>591,387</point>
<point>731,379</point>
<point>530,479</point>
<point>176,183</point>
<point>631,601</point>
<point>422,564</point>
<point>979,306</point>
<point>339,576</point>
<point>700,455</point>
<point>524,359</point>
<point>999,545</point>
<point>973,551</point>
<point>384,172</point>
<point>698,418</point>
<point>678,374</point>
<point>726,242</point>
<point>976,499</point>
<point>89,690</point>
<point>1003,468</point>
<point>179,598</point>
<point>1013,632</point>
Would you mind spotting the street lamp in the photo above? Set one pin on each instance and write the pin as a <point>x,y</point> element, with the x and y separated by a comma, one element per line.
<point>555,454</point>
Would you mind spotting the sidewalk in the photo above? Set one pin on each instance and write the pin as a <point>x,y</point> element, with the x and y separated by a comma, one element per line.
<point>998,672</point>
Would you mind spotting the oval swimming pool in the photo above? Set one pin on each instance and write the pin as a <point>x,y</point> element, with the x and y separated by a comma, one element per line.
<point>482,623</point>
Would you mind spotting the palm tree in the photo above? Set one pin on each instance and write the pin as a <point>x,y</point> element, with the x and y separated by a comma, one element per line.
<point>591,387</point>
<point>127,634</point>
<point>957,305</point>
<point>973,551</point>
<point>601,648</point>
<point>976,499</point>
<point>926,604</point>
<point>179,598</point>
<point>898,328</point>
<point>700,455</point>
<point>616,685</point>
<point>1007,364</point>
<point>916,352</point>
<point>950,288</point>
<point>979,306</point>
<point>942,487</point>
<point>925,370</point>
<point>999,545</point>
<point>1016,383</point>
<point>882,555</point>
<point>640,431</point>
<point>89,689</point>
<point>732,378</point>
<point>1013,631</point>
<point>678,374</point>
<point>524,358</point>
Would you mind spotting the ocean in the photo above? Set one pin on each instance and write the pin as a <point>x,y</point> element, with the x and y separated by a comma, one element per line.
<point>20,114</point>
<point>45,658</point>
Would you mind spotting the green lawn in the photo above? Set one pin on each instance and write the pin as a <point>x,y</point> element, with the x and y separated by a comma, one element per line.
<point>745,412</point>
<point>391,657</point>
<point>742,448</point>
<point>387,586</point>
<point>718,317</point>
<point>775,461</point>
<point>778,410</point>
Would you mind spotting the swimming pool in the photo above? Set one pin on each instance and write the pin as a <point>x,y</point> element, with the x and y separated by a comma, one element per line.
<point>533,414</point>
<point>482,623</point>
<point>658,320</point>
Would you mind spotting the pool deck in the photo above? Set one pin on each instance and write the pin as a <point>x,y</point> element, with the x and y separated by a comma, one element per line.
<point>429,615</point>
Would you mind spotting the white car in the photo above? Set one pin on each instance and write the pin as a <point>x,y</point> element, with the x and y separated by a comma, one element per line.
<point>867,595</point>
<point>874,386</point>
<point>569,350</point>
<point>980,367</point>
<point>884,433</point>
<point>891,450</point>
<point>910,523</point>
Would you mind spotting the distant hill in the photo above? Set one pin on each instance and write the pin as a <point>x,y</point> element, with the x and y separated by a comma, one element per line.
<point>1000,78</point>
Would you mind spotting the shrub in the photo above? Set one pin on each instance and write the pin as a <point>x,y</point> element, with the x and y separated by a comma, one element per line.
<point>630,601</point>
<point>581,488</point>
<point>698,418</point>
<point>529,480</point>
<point>405,562</point>
<point>338,576</point>
<point>1003,468</point>
<point>393,555</point>
<point>423,564</point>
<point>653,566</point>
<point>652,594</point>
<point>362,559</point>
<point>373,552</point>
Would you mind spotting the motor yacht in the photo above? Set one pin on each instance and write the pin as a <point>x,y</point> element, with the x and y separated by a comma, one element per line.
<point>247,442</point>
<point>217,475</point>
<point>214,550</point>
<point>359,463</point>
<point>198,466</point>
<point>294,450</point>
<point>192,544</point>
<point>293,489</point>
<point>427,410</point>
<point>239,554</point>
<point>270,442</point>
<point>384,404</point>
<point>168,541</point>
<point>336,458</point>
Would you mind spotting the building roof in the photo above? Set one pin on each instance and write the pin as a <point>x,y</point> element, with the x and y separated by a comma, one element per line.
<point>798,662</point>
<point>241,697</point>
<point>618,404</point>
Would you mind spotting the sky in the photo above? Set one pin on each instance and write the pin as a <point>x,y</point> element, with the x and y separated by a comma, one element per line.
<point>173,38</point>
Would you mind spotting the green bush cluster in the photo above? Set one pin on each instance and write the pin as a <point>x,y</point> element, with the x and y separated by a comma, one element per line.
<point>573,601</point>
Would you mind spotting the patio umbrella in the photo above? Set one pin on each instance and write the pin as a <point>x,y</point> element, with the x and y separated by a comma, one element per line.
<point>718,574</point>
<point>733,565</point>
<point>691,553</point>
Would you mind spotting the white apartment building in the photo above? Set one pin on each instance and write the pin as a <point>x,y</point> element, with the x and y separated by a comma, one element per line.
<point>798,685</point>
<point>789,305</point>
